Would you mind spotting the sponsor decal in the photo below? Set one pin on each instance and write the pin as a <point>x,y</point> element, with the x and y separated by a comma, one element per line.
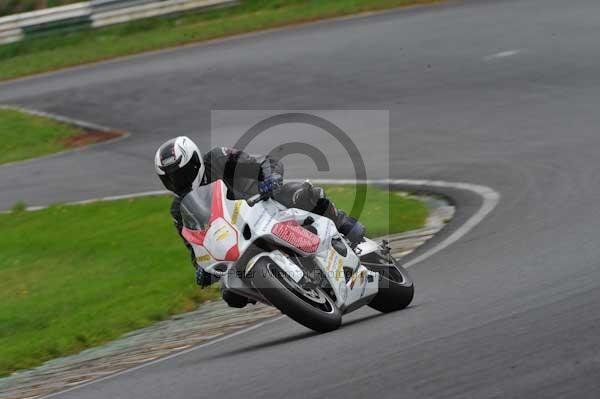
<point>294,234</point>
<point>223,235</point>
<point>203,258</point>
<point>330,260</point>
<point>222,232</point>
<point>357,276</point>
<point>353,281</point>
<point>236,212</point>
<point>339,273</point>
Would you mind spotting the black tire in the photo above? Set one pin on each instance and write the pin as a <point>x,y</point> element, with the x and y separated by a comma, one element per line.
<point>279,289</point>
<point>396,288</point>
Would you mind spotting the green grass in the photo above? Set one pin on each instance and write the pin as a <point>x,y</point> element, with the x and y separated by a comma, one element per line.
<point>48,53</point>
<point>27,136</point>
<point>72,277</point>
<point>384,212</point>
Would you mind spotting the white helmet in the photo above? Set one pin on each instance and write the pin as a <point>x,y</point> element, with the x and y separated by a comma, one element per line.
<point>179,165</point>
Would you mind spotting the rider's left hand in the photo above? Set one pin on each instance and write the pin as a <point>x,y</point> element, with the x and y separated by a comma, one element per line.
<point>204,279</point>
<point>271,183</point>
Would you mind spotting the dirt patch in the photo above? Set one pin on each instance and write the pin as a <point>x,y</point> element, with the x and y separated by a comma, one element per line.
<point>87,138</point>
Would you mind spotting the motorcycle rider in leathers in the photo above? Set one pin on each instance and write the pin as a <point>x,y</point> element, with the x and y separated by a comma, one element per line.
<point>181,167</point>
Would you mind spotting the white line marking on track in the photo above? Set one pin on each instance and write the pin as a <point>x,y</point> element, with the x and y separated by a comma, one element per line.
<point>490,199</point>
<point>503,54</point>
<point>162,359</point>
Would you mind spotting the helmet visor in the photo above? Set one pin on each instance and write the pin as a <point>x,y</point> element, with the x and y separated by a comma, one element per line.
<point>179,179</point>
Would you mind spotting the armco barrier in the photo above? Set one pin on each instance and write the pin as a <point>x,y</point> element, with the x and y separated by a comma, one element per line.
<point>69,17</point>
<point>96,13</point>
<point>120,15</point>
<point>10,32</point>
<point>99,6</point>
<point>63,25</point>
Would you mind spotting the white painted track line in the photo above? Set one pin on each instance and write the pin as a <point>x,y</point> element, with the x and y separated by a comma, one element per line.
<point>503,54</point>
<point>490,199</point>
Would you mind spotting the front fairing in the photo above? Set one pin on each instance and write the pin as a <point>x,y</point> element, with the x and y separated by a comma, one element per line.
<point>218,228</point>
<point>196,208</point>
<point>207,227</point>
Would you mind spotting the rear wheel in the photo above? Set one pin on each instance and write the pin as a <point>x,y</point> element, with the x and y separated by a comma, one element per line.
<point>396,289</point>
<point>304,302</point>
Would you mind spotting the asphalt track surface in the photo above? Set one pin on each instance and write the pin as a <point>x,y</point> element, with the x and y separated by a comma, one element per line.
<point>503,94</point>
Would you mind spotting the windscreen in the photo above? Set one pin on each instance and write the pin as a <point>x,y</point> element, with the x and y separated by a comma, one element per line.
<point>196,208</point>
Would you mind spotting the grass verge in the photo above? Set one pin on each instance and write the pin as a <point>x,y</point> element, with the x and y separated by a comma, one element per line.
<point>73,277</point>
<point>27,136</point>
<point>37,55</point>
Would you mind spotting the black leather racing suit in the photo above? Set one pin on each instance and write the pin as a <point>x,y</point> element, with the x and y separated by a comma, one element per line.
<point>242,174</point>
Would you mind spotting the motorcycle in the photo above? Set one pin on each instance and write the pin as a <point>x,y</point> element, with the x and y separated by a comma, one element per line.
<point>289,258</point>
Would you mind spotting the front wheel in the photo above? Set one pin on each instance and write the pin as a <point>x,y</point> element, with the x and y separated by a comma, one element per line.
<point>305,304</point>
<point>396,289</point>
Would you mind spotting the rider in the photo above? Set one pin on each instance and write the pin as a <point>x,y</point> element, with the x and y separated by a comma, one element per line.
<point>181,168</point>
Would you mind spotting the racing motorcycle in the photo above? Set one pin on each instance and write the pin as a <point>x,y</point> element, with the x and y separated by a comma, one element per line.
<point>289,258</point>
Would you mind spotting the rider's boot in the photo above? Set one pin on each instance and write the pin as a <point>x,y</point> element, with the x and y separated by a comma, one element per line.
<point>313,199</point>
<point>234,300</point>
<point>350,227</point>
<point>203,278</point>
<point>346,224</point>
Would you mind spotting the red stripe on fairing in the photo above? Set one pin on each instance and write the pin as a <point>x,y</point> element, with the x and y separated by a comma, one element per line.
<point>233,253</point>
<point>216,210</point>
<point>194,236</point>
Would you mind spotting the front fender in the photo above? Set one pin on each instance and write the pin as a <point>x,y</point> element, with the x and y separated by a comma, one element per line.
<point>282,260</point>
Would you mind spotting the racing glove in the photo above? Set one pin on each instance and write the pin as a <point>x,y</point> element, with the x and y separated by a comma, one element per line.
<point>271,183</point>
<point>204,279</point>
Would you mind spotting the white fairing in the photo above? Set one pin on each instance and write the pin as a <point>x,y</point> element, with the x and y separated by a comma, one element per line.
<point>367,246</point>
<point>220,238</point>
<point>267,217</point>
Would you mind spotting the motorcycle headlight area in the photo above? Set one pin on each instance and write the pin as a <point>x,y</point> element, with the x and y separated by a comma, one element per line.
<point>297,236</point>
